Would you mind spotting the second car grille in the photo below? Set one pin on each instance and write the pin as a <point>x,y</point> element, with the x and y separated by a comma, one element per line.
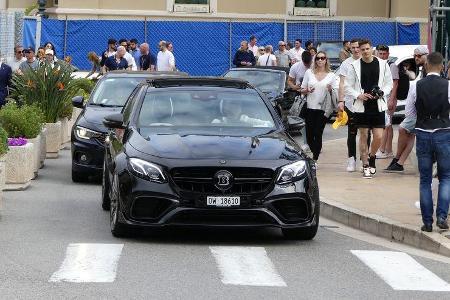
<point>101,138</point>
<point>197,183</point>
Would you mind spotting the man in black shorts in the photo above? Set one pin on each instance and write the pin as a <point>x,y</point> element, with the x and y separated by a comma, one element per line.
<point>368,82</point>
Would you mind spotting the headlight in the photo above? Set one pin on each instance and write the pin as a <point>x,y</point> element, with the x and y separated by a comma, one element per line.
<point>292,172</point>
<point>87,134</point>
<point>147,171</point>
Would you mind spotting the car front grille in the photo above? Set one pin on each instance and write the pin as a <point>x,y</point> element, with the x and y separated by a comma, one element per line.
<point>195,184</point>
<point>101,139</point>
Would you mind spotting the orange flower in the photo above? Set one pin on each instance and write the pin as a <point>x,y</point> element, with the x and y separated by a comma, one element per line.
<point>30,84</point>
<point>60,85</point>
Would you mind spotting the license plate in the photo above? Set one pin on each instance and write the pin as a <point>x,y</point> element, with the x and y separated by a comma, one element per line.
<point>223,201</point>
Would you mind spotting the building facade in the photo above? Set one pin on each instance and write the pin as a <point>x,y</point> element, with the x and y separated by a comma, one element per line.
<point>400,10</point>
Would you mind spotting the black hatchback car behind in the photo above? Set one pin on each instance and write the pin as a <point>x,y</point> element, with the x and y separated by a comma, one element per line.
<point>206,152</point>
<point>88,134</point>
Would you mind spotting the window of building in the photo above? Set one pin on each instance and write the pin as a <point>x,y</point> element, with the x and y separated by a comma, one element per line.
<point>191,6</point>
<point>205,2</point>
<point>311,3</point>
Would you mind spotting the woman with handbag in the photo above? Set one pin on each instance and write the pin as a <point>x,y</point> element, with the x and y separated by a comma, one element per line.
<point>319,85</point>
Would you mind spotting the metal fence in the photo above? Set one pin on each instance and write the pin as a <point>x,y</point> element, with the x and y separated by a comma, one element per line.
<point>203,47</point>
<point>11,24</point>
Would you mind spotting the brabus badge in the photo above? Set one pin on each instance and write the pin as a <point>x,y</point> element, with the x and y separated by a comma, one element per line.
<point>223,180</point>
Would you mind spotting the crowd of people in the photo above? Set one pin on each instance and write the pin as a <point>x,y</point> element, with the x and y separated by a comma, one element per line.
<point>366,87</point>
<point>130,55</point>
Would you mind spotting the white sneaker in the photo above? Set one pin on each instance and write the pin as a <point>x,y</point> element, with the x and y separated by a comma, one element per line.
<point>305,147</point>
<point>383,155</point>
<point>351,164</point>
<point>366,173</point>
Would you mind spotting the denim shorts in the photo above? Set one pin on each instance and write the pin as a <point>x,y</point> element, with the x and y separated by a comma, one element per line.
<point>409,123</point>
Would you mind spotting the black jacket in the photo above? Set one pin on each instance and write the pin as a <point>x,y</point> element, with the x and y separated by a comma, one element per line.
<point>244,56</point>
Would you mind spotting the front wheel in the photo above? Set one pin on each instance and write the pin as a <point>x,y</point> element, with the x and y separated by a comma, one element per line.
<point>106,200</point>
<point>117,229</point>
<point>78,177</point>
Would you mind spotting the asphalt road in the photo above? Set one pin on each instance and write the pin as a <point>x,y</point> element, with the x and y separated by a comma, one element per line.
<point>55,243</point>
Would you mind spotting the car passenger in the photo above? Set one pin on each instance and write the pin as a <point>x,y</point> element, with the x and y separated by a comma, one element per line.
<point>232,114</point>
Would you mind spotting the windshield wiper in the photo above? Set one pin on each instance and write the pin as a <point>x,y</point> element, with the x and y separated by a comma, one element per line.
<point>104,105</point>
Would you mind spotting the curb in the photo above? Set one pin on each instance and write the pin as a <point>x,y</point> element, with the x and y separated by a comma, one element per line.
<point>385,228</point>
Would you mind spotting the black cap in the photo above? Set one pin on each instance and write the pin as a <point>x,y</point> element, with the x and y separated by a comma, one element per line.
<point>112,41</point>
<point>28,50</point>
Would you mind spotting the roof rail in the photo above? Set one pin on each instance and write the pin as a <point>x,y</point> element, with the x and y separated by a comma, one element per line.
<point>198,81</point>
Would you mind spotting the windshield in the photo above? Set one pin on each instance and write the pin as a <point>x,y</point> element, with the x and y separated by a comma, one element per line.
<point>115,91</point>
<point>267,82</point>
<point>331,49</point>
<point>207,109</point>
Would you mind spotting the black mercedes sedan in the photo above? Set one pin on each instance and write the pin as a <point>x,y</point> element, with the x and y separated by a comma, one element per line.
<point>88,134</point>
<point>206,152</point>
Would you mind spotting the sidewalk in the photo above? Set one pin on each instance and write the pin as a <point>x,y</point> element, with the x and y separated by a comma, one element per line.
<point>384,205</point>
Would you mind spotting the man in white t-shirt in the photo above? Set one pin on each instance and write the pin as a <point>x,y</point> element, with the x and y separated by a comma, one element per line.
<point>128,56</point>
<point>296,52</point>
<point>18,58</point>
<point>268,59</point>
<point>252,46</point>
<point>165,60</point>
<point>347,104</point>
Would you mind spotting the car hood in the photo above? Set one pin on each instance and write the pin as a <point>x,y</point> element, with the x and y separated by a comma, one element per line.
<point>92,117</point>
<point>174,146</point>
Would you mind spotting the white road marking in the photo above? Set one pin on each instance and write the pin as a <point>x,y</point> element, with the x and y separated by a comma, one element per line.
<point>89,263</point>
<point>246,266</point>
<point>401,271</point>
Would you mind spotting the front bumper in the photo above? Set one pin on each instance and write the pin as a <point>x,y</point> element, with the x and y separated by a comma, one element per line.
<point>87,155</point>
<point>148,204</point>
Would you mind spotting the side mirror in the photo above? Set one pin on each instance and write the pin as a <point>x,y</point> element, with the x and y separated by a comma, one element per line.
<point>78,101</point>
<point>114,121</point>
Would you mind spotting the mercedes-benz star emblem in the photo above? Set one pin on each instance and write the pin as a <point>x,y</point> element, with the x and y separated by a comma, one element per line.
<point>223,180</point>
<point>223,162</point>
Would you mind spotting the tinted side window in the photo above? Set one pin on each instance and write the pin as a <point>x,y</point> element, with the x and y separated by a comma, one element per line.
<point>129,105</point>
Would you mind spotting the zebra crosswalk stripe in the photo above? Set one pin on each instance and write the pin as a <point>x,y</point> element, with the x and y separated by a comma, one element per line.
<point>401,271</point>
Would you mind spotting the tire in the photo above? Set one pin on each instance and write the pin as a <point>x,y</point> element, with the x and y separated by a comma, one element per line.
<point>106,200</point>
<point>78,177</point>
<point>307,233</point>
<point>117,229</point>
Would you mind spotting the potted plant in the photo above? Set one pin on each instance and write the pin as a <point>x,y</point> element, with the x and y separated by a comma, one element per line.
<point>50,88</point>
<point>3,152</point>
<point>22,122</point>
<point>25,121</point>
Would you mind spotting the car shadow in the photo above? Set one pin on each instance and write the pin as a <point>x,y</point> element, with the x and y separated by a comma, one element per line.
<point>216,236</point>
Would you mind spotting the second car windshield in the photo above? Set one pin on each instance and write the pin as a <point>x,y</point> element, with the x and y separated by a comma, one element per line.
<point>265,81</point>
<point>205,108</point>
<point>115,91</point>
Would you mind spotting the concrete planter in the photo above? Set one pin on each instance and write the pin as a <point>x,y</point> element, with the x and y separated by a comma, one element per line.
<point>2,177</point>
<point>19,170</point>
<point>53,139</point>
<point>43,144</point>
<point>64,126</point>
<point>36,154</point>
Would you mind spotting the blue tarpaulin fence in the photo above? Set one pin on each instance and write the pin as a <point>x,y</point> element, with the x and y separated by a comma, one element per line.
<point>203,47</point>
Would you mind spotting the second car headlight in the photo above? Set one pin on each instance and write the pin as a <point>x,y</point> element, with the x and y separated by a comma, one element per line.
<point>147,171</point>
<point>291,173</point>
<point>87,134</point>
